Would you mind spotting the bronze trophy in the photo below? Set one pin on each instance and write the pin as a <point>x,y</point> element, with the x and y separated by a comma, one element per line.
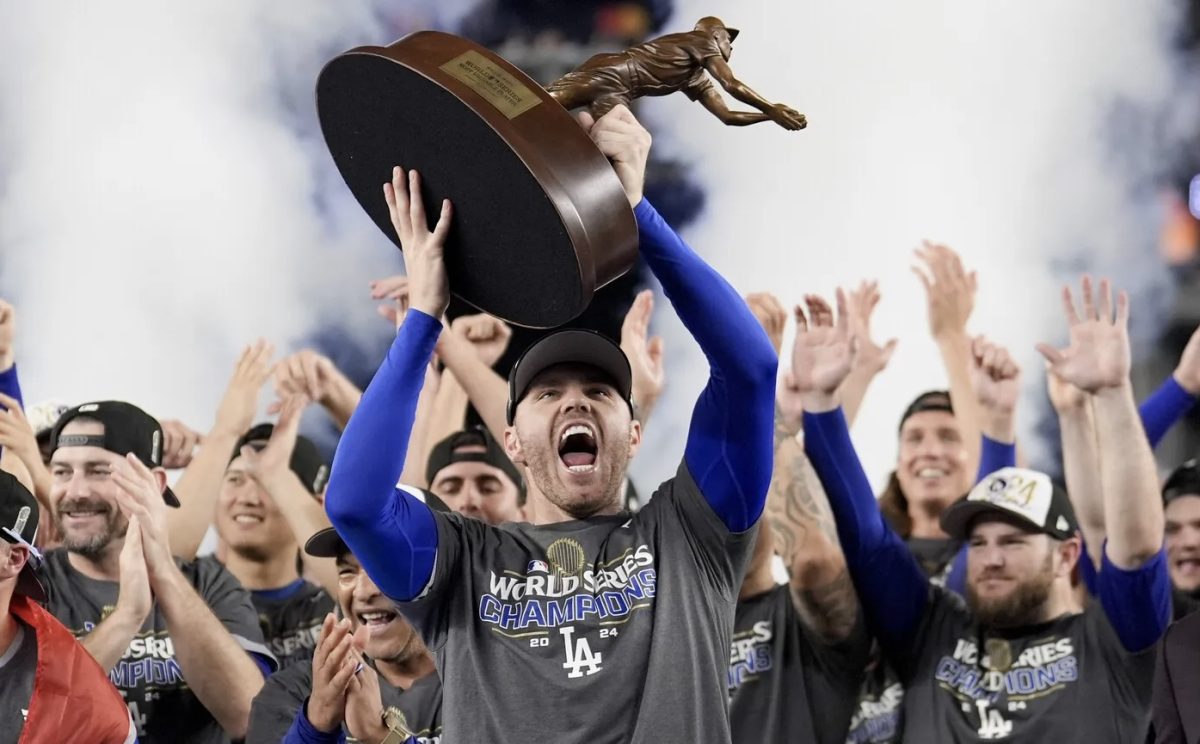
<point>541,221</point>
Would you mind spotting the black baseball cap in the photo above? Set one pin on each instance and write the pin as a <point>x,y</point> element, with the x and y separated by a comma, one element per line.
<point>306,462</point>
<point>446,452</point>
<point>572,346</point>
<point>127,429</point>
<point>19,525</point>
<point>327,543</point>
<point>1183,481</point>
<point>1029,496</point>
<point>930,400</point>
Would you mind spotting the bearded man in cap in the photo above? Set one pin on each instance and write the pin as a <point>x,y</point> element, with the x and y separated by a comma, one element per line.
<point>1018,661</point>
<point>682,62</point>
<point>591,623</point>
<point>180,640</point>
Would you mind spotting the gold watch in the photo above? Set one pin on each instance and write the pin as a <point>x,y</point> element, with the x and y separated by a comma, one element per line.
<point>397,726</point>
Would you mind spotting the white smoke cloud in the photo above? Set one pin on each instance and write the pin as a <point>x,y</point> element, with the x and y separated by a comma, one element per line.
<point>165,197</point>
<point>1010,131</point>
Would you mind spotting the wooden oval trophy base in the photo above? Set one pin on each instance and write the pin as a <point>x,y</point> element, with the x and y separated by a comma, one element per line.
<point>540,220</point>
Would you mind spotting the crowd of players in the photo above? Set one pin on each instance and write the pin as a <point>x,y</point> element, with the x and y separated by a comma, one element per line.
<point>505,583</point>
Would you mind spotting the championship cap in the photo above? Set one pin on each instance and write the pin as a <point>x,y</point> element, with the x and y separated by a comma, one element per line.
<point>1029,496</point>
<point>448,451</point>
<point>127,429</point>
<point>19,526</point>
<point>572,346</point>
<point>1183,481</point>
<point>306,462</point>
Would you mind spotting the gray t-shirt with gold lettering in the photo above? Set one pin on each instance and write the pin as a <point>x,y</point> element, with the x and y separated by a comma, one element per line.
<point>605,630</point>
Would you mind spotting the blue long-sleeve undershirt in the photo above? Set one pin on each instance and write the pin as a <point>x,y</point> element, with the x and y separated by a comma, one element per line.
<point>891,586</point>
<point>1165,406</point>
<point>10,385</point>
<point>390,531</point>
<point>302,731</point>
<point>729,449</point>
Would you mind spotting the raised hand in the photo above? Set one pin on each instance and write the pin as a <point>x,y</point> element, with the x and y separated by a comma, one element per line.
<point>626,143</point>
<point>423,249</point>
<point>823,353</point>
<point>949,289</point>
<point>275,458</point>
<point>179,444</point>
<point>771,316</point>
<point>16,434</point>
<point>1187,372</point>
<point>645,353</point>
<point>1064,397</point>
<point>236,410</point>
<point>393,289</point>
<point>996,380</point>
<point>1097,356</point>
<point>304,373</point>
<point>333,666</point>
<point>489,336</point>
<point>8,335</point>
<point>860,304</point>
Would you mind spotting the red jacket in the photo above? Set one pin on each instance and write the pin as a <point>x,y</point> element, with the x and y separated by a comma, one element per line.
<point>73,699</point>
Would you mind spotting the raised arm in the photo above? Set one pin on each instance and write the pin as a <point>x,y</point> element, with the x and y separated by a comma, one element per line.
<point>392,533</point>
<point>271,469</point>
<point>1133,584</point>
<point>1080,460</point>
<point>645,355</point>
<point>308,373</point>
<point>950,293</point>
<point>1176,396</point>
<point>728,448</point>
<point>200,483</point>
<point>996,380</point>
<point>891,587</point>
<point>870,358</point>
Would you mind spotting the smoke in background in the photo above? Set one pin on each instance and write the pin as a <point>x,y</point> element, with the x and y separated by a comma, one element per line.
<point>165,197</point>
<point>1023,134</point>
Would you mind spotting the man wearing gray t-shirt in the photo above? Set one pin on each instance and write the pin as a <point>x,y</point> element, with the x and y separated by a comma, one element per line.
<point>589,623</point>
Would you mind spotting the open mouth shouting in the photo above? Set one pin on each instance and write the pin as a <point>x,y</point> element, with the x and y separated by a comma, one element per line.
<point>577,448</point>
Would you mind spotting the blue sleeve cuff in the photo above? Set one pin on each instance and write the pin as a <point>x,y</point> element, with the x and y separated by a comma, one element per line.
<point>302,731</point>
<point>1163,409</point>
<point>994,456</point>
<point>10,384</point>
<point>1137,602</point>
<point>264,665</point>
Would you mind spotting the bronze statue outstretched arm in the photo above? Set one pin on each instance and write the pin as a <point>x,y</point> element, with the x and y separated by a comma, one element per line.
<point>719,69</point>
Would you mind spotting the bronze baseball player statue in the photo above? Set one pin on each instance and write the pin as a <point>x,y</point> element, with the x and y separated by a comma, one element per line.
<point>682,62</point>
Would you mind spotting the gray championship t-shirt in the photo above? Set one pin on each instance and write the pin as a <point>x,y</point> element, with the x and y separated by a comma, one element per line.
<point>605,630</point>
<point>786,685</point>
<point>149,677</point>
<point>276,705</point>
<point>878,714</point>
<point>1067,680</point>
<point>18,668</point>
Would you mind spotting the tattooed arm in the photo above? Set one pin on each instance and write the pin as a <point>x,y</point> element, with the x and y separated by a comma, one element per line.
<point>806,538</point>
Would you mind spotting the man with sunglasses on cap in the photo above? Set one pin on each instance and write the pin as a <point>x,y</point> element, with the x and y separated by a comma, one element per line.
<point>268,499</point>
<point>371,677</point>
<point>180,641</point>
<point>1018,661</point>
<point>469,471</point>
<point>51,689</point>
<point>589,623</point>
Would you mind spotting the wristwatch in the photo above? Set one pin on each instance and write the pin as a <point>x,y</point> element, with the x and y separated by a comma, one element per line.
<point>397,726</point>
